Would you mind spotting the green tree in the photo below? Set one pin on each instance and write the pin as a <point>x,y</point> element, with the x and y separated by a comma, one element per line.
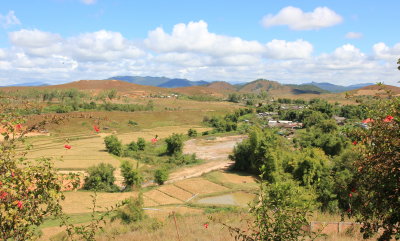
<point>192,133</point>
<point>132,211</point>
<point>280,213</point>
<point>133,146</point>
<point>111,94</point>
<point>100,178</point>
<point>174,144</point>
<point>113,145</point>
<point>376,199</point>
<point>132,176</point>
<point>234,97</point>
<point>161,176</point>
<point>141,143</point>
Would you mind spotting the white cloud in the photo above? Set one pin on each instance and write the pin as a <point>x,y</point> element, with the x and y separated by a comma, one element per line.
<point>296,19</point>
<point>382,51</point>
<point>33,38</point>
<point>9,20</point>
<point>88,2</point>
<point>195,37</point>
<point>354,35</point>
<point>281,49</point>
<point>102,46</point>
<point>189,51</point>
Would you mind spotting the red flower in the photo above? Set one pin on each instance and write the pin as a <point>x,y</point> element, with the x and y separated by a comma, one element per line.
<point>18,127</point>
<point>68,147</point>
<point>353,190</point>
<point>1,183</point>
<point>3,195</point>
<point>350,195</point>
<point>388,118</point>
<point>355,142</point>
<point>96,128</point>
<point>368,120</point>
<point>19,204</point>
<point>154,140</point>
<point>12,174</point>
<point>205,225</point>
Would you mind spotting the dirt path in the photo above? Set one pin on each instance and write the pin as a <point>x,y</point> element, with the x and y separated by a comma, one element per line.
<point>214,151</point>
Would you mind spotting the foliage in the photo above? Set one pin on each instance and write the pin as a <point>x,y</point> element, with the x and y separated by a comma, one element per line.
<point>113,145</point>
<point>325,135</point>
<point>161,176</point>
<point>174,144</point>
<point>258,153</point>
<point>132,177</point>
<point>101,178</point>
<point>280,213</point>
<point>133,146</point>
<point>192,132</point>
<point>377,181</point>
<point>30,190</point>
<point>141,144</point>
<point>132,211</point>
<point>234,97</point>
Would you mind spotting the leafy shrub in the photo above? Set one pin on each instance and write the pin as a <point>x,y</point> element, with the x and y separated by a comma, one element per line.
<point>101,178</point>
<point>192,133</point>
<point>133,123</point>
<point>133,146</point>
<point>141,143</point>
<point>161,176</point>
<point>113,145</point>
<point>132,211</point>
<point>174,144</point>
<point>132,177</point>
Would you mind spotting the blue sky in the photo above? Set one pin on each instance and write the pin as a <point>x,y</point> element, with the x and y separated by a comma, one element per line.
<point>344,42</point>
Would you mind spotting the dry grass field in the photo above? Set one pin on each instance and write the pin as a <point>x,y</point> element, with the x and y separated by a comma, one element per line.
<point>200,186</point>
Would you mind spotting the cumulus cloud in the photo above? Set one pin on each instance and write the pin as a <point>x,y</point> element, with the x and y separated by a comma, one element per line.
<point>281,49</point>
<point>8,20</point>
<point>88,2</point>
<point>382,51</point>
<point>195,37</point>
<point>296,19</point>
<point>354,35</point>
<point>188,51</point>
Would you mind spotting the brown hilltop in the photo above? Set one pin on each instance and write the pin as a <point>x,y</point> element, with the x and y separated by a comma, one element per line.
<point>96,86</point>
<point>376,90</point>
<point>222,86</point>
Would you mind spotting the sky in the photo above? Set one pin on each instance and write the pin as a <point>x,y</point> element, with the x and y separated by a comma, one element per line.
<point>341,42</point>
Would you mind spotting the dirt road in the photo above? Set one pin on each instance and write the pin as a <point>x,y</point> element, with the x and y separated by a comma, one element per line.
<point>214,151</point>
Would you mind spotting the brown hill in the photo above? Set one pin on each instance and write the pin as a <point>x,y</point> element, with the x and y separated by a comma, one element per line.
<point>262,85</point>
<point>222,86</point>
<point>198,90</point>
<point>376,90</point>
<point>96,86</point>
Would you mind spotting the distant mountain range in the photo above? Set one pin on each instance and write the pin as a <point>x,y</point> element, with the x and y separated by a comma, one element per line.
<point>159,81</point>
<point>28,84</point>
<point>337,88</point>
<point>253,86</point>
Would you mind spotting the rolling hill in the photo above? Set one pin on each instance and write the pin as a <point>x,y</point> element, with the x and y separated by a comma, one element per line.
<point>163,82</point>
<point>337,88</point>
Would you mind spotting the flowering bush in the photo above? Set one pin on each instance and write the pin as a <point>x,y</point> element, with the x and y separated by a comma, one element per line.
<point>30,190</point>
<point>376,201</point>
